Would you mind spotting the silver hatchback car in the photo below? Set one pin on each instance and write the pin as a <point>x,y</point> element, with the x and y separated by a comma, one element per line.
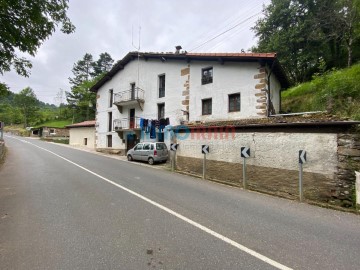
<point>149,151</point>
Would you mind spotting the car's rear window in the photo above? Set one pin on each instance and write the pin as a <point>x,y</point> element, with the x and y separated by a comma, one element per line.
<point>161,146</point>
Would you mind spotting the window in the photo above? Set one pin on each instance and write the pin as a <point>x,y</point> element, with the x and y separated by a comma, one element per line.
<point>161,146</point>
<point>132,91</point>
<point>52,131</point>
<point>161,111</point>
<point>139,147</point>
<point>85,141</point>
<point>161,86</point>
<point>206,106</point>
<point>146,146</point>
<point>207,75</point>
<point>109,140</point>
<point>110,121</point>
<point>234,102</point>
<point>111,94</point>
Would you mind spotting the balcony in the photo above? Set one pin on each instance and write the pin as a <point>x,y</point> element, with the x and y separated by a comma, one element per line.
<point>127,124</point>
<point>130,97</point>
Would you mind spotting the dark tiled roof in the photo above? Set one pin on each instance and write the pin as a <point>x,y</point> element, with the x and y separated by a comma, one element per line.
<point>245,55</point>
<point>90,123</point>
<point>269,58</point>
<point>277,121</point>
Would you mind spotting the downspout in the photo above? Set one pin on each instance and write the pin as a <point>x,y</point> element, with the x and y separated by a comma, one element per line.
<point>269,89</point>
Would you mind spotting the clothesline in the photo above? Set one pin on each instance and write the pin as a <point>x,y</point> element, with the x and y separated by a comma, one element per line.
<point>151,115</point>
<point>150,125</point>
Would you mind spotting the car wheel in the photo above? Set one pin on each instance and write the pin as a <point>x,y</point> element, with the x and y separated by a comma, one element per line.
<point>151,161</point>
<point>129,157</point>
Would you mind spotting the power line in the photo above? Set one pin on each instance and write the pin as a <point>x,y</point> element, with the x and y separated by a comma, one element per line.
<point>231,28</point>
<point>229,37</point>
<point>224,24</point>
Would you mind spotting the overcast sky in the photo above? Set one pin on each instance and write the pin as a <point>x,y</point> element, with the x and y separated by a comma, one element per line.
<point>106,26</point>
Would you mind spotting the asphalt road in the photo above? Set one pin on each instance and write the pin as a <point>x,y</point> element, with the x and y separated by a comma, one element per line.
<point>62,208</point>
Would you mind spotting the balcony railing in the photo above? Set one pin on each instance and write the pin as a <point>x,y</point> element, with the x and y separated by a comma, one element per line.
<point>127,123</point>
<point>136,94</point>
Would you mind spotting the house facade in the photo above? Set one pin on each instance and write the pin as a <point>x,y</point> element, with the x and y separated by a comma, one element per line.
<point>82,134</point>
<point>171,89</point>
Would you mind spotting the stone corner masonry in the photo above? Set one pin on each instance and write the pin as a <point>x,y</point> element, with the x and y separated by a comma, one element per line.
<point>261,92</point>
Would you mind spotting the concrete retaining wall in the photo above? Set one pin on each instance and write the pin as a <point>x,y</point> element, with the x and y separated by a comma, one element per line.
<point>332,158</point>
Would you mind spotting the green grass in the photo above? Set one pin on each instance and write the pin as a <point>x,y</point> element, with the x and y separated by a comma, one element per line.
<point>337,92</point>
<point>55,124</point>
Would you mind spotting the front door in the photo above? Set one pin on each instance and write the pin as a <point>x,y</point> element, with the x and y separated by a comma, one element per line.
<point>132,118</point>
<point>131,141</point>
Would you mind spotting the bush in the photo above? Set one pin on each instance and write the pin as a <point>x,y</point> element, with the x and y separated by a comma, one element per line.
<point>337,91</point>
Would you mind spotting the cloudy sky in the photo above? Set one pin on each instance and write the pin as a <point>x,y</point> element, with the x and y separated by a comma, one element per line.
<point>106,26</point>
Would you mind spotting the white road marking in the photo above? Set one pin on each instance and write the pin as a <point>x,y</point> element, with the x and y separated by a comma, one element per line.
<point>168,210</point>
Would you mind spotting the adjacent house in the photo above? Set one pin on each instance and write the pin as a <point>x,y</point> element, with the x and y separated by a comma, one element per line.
<point>49,132</point>
<point>82,134</point>
<point>144,90</point>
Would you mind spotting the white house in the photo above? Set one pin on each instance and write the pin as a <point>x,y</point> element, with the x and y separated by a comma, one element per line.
<point>82,134</point>
<point>182,88</point>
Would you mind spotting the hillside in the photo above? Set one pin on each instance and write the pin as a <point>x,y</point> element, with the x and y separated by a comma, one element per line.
<point>337,92</point>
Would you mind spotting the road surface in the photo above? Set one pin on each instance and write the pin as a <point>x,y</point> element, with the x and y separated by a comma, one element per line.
<point>62,208</point>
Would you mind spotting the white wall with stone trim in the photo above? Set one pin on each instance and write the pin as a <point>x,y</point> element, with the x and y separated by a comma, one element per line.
<point>148,81</point>
<point>77,136</point>
<point>228,78</point>
<point>275,88</point>
<point>275,150</point>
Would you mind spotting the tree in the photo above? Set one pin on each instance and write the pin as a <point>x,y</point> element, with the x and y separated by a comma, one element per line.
<point>25,25</point>
<point>4,89</point>
<point>27,102</point>
<point>103,64</point>
<point>351,25</point>
<point>86,73</point>
<point>82,101</point>
<point>82,70</point>
<point>309,35</point>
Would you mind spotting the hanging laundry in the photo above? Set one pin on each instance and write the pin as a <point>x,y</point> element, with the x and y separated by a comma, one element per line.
<point>152,132</point>
<point>162,123</point>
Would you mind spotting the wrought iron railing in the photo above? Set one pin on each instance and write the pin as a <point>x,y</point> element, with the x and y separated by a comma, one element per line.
<point>126,123</point>
<point>132,94</point>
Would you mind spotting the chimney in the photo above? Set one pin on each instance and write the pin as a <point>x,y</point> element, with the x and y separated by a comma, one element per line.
<point>178,48</point>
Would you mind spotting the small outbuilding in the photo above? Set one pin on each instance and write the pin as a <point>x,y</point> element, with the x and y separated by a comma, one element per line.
<point>82,134</point>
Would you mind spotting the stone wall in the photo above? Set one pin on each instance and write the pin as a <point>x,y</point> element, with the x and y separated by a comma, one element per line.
<point>349,162</point>
<point>55,132</point>
<point>2,150</point>
<point>333,155</point>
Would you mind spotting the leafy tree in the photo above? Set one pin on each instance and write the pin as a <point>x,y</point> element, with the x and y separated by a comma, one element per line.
<point>86,73</point>
<point>82,70</point>
<point>103,64</point>
<point>309,35</point>
<point>82,101</point>
<point>24,26</point>
<point>4,90</point>
<point>27,102</point>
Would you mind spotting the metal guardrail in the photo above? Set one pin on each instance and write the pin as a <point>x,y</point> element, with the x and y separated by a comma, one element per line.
<point>126,123</point>
<point>129,95</point>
